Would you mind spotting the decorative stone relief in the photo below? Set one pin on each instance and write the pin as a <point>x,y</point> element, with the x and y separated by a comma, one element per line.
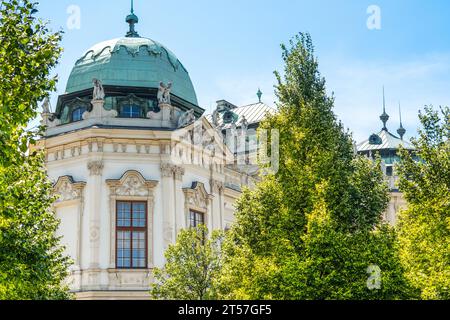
<point>133,184</point>
<point>179,173</point>
<point>67,189</point>
<point>94,233</point>
<point>130,278</point>
<point>167,170</point>
<point>186,119</point>
<point>217,186</point>
<point>197,197</point>
<point>95,168</point>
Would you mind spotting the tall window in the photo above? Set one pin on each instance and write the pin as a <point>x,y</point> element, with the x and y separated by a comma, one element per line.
<point>131,246</point>
<point>77,114</point>
<point>196,219</point>
<point>131,111</point>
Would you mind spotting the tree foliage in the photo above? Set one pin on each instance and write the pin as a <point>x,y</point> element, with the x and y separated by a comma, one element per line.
<point>311,229</point>
<point>32,264</point>
<point>424,228</point>
<point>192,267</point>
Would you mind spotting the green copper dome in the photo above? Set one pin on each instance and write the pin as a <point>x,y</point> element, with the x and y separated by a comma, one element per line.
<point>131,62</point>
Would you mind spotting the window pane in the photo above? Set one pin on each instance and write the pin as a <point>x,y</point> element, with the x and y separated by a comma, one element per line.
<point>131,111</point>
<point>123,249</point>
<point>139,213</point>
<point>77,114</point>
<point>196,219</point>
<point>200,219</point>
<point>192,219</point>
<point>139,247</point>
<point>124,214</point>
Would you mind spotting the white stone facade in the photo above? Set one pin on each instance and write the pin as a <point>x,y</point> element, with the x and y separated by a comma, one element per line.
<point>95,167</point>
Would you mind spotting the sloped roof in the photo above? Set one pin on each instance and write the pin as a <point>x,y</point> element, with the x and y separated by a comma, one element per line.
<point>388,142</point>
<point>254,113</point>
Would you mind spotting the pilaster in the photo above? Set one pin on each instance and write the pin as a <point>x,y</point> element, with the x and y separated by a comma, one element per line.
<point>180,218</point>
<point>168,205</point>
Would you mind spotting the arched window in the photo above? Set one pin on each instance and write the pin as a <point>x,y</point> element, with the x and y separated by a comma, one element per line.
<point>77,114</point>
<point>131,111</point>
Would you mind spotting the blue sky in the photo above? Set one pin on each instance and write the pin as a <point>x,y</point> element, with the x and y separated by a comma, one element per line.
<point>232,47</point>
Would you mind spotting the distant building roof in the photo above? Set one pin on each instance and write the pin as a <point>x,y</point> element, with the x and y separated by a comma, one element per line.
<point>253,113</point>
<point>385,141</point>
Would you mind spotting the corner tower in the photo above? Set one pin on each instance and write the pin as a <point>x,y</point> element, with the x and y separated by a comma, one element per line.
<point>133,162</point>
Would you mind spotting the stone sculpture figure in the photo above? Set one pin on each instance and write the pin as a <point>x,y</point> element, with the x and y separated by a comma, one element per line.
<point>48,118</point>
<point>46,106</point>
<point>215,118</point>
<point>186,119</point>
<point>164,93</point>
<point>244,125</point>
<point>233,130</point>
<point>99,92</point>
<point>198,135</point>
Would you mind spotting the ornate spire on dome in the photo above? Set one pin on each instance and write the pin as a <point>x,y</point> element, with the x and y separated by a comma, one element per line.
<point>259,94</point>
<point>384,117</point>
<point>401,131</point>
<point>132,19</point>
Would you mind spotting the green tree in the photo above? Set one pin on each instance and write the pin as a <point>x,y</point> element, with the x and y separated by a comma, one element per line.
<point>192,267</point>
<point>424,227</point>
<point>312,229</point>
<point>32,264</point>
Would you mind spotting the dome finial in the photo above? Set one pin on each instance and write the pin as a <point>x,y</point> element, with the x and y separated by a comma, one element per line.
<point>401,131</point>
<point>132,19</point>
<point>384,117</point>
<point>259,94</point>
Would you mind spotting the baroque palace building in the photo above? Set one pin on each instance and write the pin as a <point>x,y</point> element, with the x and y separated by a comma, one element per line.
<point>134,161</point>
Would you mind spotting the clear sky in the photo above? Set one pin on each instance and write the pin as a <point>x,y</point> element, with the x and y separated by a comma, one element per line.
<point>232,47</point>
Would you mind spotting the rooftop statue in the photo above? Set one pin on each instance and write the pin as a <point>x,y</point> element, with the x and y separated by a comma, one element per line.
<point>99,92</point>
<point>244,124</point>
<point>164,93</point>
<point>46,106</point>
<point>215,118</point>
<point>233,130</point>
<point>48,119</point>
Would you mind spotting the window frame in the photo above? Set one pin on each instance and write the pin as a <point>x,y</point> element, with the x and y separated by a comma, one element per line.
<point>81,115</point>
<point>131,106</point>
<point>197,213</point>
<point>389,171</point>
<point>131,229</point>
